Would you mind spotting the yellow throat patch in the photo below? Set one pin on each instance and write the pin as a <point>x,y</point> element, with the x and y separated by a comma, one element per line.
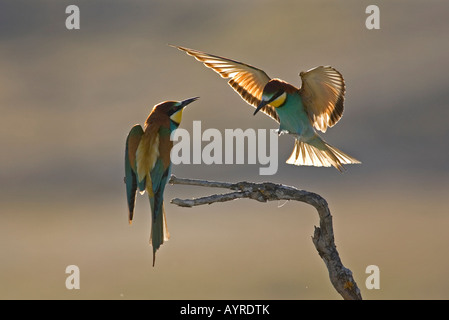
<point>177,116</point>
<point>279,101</point>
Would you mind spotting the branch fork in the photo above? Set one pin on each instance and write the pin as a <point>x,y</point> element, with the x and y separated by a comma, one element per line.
<point>323,237</point>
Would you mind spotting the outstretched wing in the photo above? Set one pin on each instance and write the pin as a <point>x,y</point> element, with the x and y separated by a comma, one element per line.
<point>323,94</point>
<point>246,80</point>
<point>132,142</point>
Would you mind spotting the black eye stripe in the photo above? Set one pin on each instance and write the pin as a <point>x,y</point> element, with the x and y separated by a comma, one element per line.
<point>173,110</point>
<point>277,95</point>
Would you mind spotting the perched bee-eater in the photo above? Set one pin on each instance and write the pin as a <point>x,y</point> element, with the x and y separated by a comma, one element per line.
<point>147,163</point>
<point>318,104</point>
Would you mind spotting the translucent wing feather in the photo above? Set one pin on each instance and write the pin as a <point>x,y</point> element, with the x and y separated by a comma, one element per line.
<point>246,80</point>
<point>323,94</point>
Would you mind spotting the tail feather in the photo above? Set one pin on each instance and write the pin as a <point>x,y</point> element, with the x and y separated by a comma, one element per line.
<point>159,230</point>
<point>316,152</point>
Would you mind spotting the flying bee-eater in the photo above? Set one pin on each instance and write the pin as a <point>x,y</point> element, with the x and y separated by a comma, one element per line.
<point>316,105</point>
<point>148,164</point>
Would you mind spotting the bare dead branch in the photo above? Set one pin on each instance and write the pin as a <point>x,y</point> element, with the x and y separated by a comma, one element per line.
<point>323,237</point>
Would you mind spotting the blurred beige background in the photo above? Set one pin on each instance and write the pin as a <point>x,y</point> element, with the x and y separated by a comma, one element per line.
<point>69,98</point>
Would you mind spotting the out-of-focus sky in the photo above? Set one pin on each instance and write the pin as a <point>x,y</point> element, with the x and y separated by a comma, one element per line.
<point>69,97</point>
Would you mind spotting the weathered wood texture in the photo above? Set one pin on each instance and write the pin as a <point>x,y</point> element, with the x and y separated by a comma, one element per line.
<point>323,237</point>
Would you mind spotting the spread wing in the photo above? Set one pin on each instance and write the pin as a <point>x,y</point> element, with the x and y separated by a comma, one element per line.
<point>323,94</point>
<point>246,80</point>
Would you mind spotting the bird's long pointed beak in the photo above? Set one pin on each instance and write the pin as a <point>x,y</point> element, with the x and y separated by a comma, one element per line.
<point>260,106</point>
<point>188,101</point>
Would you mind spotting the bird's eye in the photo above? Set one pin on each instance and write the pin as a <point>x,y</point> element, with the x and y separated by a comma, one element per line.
<point>175,109</point>
<point>276,95</point>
